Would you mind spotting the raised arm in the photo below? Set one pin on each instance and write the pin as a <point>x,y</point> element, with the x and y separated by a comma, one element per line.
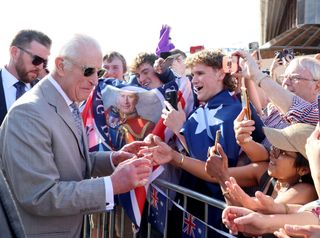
<point>243,130</point>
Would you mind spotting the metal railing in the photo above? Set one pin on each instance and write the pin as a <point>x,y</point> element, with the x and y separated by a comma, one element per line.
<point>103,224</point>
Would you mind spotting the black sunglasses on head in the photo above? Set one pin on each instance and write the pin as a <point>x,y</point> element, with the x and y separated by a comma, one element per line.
<point>36,60</point>
<point>88,71</point>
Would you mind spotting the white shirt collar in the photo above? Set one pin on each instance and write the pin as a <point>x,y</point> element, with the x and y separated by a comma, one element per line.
<point>60,90</point>
<point>10,80</point>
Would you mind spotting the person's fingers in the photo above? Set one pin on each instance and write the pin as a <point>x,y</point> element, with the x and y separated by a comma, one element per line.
<point>297,230</point>
<point>241,116</point>
<point>141,162</point>
<point>168,105</point>
<point>281,233</point>
<point>180,106</point>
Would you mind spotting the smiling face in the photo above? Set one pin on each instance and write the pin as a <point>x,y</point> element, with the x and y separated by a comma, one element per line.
<point>114,68</point>
<point>71,76</point>
<point>127,101</point>
<point>282,165</point>
<point>147,77</point>
<point>300,82</point>
<point>207,82</point>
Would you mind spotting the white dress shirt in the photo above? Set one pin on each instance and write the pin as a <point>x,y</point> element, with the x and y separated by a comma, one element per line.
<point>8,81</point>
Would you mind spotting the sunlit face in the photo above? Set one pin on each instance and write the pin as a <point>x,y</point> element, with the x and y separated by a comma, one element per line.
<point>207,82</point>
<point>300,82</point>
<point>147,77</point>
<point>25,70</point>
<point>127,101</point>
<point>179,66</point>
<point>281,165</point>
<point>75,84</point>
<point>114,69</point>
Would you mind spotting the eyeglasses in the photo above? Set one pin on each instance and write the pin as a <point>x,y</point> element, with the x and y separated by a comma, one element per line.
<point>276,152</point>
<point>88,71</point>
<point>295,78</point>
<point>36,60</point>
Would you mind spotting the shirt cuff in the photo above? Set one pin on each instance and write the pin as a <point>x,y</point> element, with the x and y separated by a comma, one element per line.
<point>111,162</point>
<point>109,193</point>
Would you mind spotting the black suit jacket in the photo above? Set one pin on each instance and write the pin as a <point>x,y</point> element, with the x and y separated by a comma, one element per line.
<point>3,104</point>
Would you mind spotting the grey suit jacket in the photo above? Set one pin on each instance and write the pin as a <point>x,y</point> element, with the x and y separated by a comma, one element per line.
<point>47,167</point>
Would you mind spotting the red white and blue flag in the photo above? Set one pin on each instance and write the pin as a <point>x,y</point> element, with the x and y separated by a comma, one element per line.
<point>103,138</point>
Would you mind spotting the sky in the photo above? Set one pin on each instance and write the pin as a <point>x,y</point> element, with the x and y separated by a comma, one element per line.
<point>133,26</point>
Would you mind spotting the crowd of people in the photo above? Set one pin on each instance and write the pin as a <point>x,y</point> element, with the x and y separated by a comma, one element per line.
<point>58,163</point>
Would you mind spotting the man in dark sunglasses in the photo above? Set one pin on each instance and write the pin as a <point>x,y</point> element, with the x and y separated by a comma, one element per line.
<point>29,51</point>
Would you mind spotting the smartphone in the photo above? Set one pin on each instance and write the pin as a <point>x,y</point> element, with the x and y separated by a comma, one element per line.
<point>218,134</point>
<point>245,101</point>
<point>230,64</point>
<point>254,46</point>
<point>171,95</point>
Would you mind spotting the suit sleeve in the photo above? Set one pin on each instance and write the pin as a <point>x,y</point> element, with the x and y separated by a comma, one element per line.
<point>43,165</point>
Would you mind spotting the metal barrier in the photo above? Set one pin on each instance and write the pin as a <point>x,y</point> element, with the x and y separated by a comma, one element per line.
<point>103,225</point>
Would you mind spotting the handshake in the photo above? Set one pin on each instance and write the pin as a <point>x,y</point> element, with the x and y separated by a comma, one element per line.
<point>134,164</point>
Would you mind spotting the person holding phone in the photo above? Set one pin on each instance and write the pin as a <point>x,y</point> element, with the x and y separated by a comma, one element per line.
<point>220,107</point>
<point>293,102</point>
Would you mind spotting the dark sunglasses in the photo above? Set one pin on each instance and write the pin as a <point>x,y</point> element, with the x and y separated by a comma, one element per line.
<point>88,71</point>
<point>36,60</point>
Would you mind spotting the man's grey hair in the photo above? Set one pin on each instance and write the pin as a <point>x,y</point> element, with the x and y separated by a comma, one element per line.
<point>77,44</point>
<point>307,63</point>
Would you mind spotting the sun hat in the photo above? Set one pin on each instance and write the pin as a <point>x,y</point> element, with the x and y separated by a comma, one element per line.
<point>292,138</point>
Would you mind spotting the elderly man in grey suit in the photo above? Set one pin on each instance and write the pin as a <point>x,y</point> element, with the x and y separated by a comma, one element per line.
<point>44,152</point>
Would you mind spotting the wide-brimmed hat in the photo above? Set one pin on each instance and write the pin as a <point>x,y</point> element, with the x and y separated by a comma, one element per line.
<point>292,138</point>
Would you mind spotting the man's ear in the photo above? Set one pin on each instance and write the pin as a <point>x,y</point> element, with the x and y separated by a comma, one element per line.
<point>59,65</point>
<point>14,52</point>
<point>221,74</point>
<point>318,86</point>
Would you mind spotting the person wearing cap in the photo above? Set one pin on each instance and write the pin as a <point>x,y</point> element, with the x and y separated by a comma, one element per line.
<point>286,141</point>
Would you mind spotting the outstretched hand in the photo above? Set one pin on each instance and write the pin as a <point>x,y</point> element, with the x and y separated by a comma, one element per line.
<point>160,153</point>
<point>240,219</point>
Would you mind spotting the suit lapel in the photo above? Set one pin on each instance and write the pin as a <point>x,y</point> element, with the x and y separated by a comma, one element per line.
<point>3,104</point>
<point>57,101</point>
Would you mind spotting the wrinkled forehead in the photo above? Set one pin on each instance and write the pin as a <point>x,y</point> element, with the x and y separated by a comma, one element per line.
<point>294,68</point>
<point>127,93</point>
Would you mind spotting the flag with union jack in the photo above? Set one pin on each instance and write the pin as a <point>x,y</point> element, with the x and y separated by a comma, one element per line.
<point>103,137</point>
<point>192,227</point>
<point>158,209</point>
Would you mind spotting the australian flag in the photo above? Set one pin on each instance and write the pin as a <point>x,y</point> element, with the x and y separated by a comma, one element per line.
<point>192,227</point>
<point>158,209</point>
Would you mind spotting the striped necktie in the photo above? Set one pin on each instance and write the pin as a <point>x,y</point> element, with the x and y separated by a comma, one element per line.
<point>76,116</point>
